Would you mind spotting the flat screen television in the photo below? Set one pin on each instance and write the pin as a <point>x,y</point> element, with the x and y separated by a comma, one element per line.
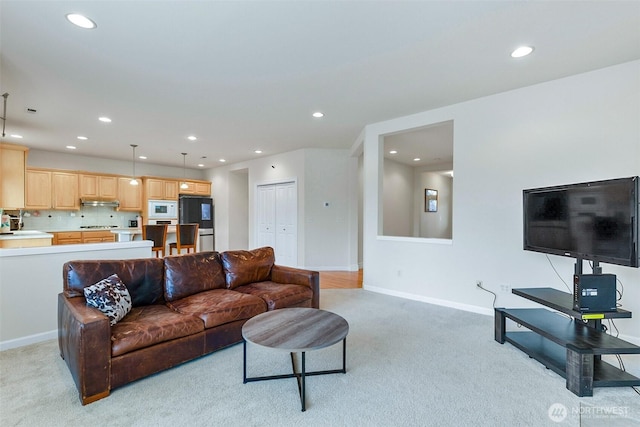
<point>595,221</point>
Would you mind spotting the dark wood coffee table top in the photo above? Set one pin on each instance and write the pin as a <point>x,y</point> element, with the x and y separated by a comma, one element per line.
<point>295,329</point>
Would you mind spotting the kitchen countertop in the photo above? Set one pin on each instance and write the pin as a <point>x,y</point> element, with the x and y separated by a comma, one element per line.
<point>80,247</point>
<point>25,234</point>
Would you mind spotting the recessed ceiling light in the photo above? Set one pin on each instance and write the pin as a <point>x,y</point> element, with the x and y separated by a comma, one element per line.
<point>104,119</point>
<point>200,165</point>
<point>142,157</point>
<point>393,152</point>
<point>82,138</point>
<point>16,136</point>
<point>222,160</point>
<point>81,21</point>
<point>417,159</point>
<point>191,138</point>
<point>71,147</point>
<point>258,151</point>
<point>318,114</point>
<point>521,51</point>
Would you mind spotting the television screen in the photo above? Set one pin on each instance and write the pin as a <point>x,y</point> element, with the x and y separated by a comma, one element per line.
<point>593,220</point>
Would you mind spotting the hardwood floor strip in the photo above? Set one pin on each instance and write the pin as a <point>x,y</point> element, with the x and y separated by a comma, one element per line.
<point>340,279</point>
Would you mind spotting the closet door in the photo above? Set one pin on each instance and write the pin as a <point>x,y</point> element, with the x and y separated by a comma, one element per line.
<point>276,216</point>
<point>266,216</point>
<point>286,224</point>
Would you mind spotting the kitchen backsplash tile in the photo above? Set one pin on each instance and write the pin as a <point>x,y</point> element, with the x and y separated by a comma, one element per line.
<point>51,220</point>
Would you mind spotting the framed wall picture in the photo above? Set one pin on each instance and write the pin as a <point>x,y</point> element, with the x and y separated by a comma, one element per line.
<point>430,200</point>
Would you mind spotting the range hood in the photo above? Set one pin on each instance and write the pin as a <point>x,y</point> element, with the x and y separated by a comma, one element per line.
<point>98,202</point>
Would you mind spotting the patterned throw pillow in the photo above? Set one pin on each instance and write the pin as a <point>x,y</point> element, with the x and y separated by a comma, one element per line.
<point>110,296</point>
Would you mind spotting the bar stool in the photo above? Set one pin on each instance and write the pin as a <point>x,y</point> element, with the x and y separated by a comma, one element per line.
<point>186,238</point>
<point>157,234</point>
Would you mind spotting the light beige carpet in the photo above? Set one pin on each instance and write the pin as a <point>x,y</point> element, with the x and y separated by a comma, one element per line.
<point>408,364</point>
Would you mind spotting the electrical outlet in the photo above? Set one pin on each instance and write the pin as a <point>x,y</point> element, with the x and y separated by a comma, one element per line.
<point>505,288</point>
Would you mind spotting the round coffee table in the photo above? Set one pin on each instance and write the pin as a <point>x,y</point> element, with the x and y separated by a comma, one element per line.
<point>296,330</point>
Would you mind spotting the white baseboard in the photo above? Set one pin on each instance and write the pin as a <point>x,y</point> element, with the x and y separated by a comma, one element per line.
<point>31,339</point>
<point>436,301</point>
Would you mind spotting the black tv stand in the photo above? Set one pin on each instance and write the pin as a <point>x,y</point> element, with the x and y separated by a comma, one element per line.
<point>571,344</point>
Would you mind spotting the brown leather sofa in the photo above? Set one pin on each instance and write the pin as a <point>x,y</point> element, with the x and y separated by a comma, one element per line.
<point>184,307</point>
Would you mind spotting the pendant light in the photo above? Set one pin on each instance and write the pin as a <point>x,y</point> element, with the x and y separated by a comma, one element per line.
<point>184,185</point>
<point>134,181</point>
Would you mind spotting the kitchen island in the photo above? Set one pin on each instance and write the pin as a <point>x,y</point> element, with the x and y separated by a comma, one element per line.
<point>25,239</point>
<point>31,279</point>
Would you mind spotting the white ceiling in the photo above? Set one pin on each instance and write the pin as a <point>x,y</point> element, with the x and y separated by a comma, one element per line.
<point>245,75</point>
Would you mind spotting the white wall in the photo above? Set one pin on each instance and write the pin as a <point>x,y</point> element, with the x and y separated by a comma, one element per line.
<point>56,160</point>
<point>239,205</point>
<point>580,128</point>
<point>398,195</point>
<point>322,175</point>
<point>434,225</point>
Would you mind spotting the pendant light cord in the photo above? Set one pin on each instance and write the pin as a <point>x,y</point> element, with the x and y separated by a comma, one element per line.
<point>184,172</point>
<point>4,112</point>
<point>133,177</point>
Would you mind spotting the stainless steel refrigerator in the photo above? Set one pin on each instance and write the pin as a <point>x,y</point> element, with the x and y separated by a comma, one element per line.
<point>196,209</point>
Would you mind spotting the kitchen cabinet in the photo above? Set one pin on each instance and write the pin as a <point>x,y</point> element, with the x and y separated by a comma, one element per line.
<point>130,196</point>
<point>51,189</point>
<point>93,186</point>
<point>65,191</point>
<point>197,188</point>
<point>160,189</point>
<point>13,165</point>
<point>38,189</point>
<point>77,237</point>
<point>99,236</point>
<point>67,237</point>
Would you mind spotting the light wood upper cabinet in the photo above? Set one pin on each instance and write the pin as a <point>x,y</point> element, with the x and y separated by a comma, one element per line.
<point>198,188</point>
<point>171,190</point>
<point>65,195</point>
<point>98,186</point>
<point>13,165</point>
<point>38,192</point>
<point>130,196</point>
<point>160,189</point>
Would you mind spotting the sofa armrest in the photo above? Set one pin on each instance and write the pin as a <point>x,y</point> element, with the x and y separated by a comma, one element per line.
<point>84,338</point>
<point>298,276</point>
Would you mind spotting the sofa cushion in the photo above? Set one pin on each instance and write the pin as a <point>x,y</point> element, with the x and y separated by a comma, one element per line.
<point>278,295</point>
<point>192,273</point>
<point>149,325</point>
<point>243,267</point>
<point>220,306</point>
<point>143,277</point>
<point>111,297</point>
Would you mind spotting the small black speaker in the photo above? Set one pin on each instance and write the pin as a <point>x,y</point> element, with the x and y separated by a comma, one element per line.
<point>594,293</point>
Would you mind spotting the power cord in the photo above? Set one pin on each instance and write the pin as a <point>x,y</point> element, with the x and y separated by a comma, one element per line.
<point>495,297</point>
<point>558,274</point>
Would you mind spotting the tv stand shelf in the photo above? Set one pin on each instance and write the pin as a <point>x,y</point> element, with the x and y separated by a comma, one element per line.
<point>569,347</point>
<point>563,302</point>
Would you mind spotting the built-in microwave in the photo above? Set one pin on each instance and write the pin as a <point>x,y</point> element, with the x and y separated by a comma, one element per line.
<point>161,209</point>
